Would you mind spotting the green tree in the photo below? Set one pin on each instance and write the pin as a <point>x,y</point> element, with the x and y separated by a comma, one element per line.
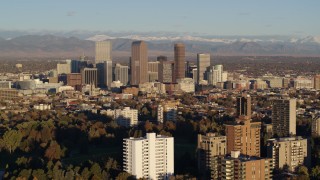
<point>11,140</point>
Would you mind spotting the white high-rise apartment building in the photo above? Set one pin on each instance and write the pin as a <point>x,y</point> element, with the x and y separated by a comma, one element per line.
<point>151,157</point>
<point>126,117</point>
<point>103,51</point>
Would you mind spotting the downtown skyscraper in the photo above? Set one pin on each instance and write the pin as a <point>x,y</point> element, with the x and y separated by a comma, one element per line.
<point>203,63</point>
<point>139,62</point>
<point>103,51</point>
<point>179,61</point>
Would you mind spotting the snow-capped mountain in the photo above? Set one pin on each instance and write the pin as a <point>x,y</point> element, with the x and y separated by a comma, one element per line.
<point>224,40</point>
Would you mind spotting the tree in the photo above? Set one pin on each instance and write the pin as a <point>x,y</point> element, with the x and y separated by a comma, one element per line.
<point>315,172</point>
<point>11,140</point>
<point>53,151</point>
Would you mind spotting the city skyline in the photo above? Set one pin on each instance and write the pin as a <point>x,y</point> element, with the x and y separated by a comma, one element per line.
<point>206,18</point>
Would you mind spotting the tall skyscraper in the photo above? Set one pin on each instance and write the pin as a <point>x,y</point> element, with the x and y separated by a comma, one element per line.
<point>89,76</point>
<point>210,148</point>
<point>179,61</point>
<point>151,157</point>
<point>153,71</point>
<point>289,151</point>
<point>316,82</point>
<point>105,74</point>
<point>139,63</point>
<point>121,73</point>
<point>203,63</point>
<point>103,51</point>
<point>165,70</point>
<point>215,74</point>
<point>244,106</point>
<point>284,117</point>
<point>77,65</point>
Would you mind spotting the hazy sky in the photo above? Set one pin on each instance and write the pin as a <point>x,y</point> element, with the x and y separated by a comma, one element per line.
<point>223,17</point>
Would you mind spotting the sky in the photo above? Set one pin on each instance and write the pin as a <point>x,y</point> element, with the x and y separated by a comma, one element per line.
<point>204,17</point>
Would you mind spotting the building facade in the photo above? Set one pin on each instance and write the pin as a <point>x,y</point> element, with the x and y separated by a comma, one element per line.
<point>121,73</point>
<point>126,117</point>
<point>284,117</point>
<point>139,63</point>
<point>103,51</point>
<point>179,61</point>
<point>89,76</point>
<point>203,63</point>
<point>237,166</point>
<point>244,136</point>
<point>151,157</point>
<point>290,151</point>
<point>210,148</point>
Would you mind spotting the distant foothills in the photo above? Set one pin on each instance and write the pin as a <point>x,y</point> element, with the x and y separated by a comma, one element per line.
<point>23,44</point>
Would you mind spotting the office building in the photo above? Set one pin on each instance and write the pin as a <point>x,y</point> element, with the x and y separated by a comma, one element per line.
<point>105,75</point>
<point>63,68</point>
<point>151,157</point>
<point>289,151</point>
<point>153,71</point>
<point>74,80</point>
<point>5,84</point>
<point>139,63</point>
<point>203,63</point>
<point>315,126</point>
<point>77,65</point>
<point>165,69</point>
<point>126,117</point>
<point>284,117</point>
<point>209,150</point>
<point>244,106</point>
<point>103,51</point>
<point>238,166</point>
<point>316,82</point>
<point>89,76</point>
<point>216,75</point>
<point>179,61</point>
<point>121,73</point>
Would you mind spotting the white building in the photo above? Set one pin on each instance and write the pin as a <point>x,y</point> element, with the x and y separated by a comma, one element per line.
<point>160,113</point>
<point>63,68</point>
<point>126,117</point>
<point>216,75</point>
<point>186,85</point>
<point>151,157</point>
<point>303,83</point>
<point>289,151</point>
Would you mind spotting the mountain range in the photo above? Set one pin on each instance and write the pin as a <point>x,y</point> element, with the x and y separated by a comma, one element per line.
<point>59,46</point>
